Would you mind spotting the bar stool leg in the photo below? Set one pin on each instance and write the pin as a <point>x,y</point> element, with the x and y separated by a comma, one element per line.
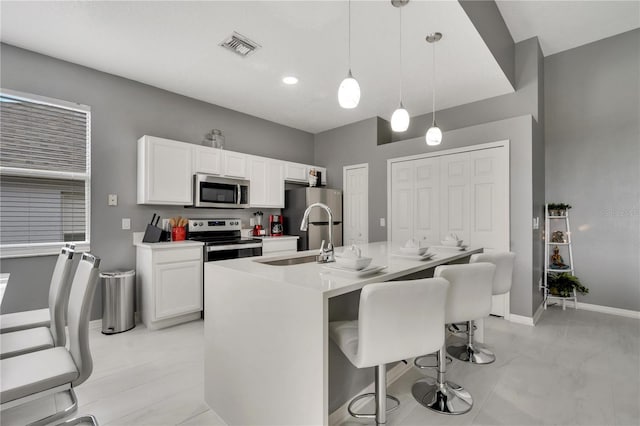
<point>381,394</point>
<point>471,351</point>
<point>440,395</point>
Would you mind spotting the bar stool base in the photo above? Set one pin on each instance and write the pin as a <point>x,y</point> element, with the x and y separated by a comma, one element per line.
<point>475,353</point>
<point>445,398</point>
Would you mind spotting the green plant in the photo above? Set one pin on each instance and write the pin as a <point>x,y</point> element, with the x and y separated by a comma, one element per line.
<point>562,284</point>
<point>558,206</point>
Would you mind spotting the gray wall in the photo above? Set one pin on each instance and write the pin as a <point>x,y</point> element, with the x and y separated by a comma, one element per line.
<point>122,111</point>
<point>593,162</point>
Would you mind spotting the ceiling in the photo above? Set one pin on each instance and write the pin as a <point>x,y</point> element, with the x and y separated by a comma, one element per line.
<point>562,25</point>
<point>173,45</point>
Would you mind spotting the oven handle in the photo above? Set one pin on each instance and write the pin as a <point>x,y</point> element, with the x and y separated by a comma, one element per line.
<point>233,247</point>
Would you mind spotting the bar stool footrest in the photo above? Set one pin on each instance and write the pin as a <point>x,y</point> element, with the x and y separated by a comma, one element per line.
<point>367,415</point>
<point>417,363</point>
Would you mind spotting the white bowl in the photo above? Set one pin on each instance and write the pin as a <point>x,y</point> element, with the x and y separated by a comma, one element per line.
<point>451,243</point>
<point>418,251</point>
<point>355,263</point>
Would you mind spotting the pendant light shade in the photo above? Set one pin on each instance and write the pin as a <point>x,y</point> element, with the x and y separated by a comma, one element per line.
<point>400,119</point>
<point>434,134</point>
<point>349,92</point>
<point>349,89</point>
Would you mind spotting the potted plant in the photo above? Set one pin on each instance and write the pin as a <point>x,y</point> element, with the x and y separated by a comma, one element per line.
<point>558,209</point>
<point>563,284</point>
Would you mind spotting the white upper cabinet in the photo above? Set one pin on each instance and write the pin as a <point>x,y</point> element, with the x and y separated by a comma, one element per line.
<point>296,172</point>
<point>234,164</point>
<point>207,160</point>
<point>267,182</point>
<point>165,171</point>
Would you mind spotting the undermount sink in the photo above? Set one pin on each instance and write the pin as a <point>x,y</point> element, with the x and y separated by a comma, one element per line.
<point>289,261</point>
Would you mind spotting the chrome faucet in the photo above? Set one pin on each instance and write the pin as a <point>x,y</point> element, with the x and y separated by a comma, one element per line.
<point>326,253</point>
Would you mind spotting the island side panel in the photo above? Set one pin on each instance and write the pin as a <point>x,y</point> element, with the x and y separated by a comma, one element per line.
<point>265,350</point>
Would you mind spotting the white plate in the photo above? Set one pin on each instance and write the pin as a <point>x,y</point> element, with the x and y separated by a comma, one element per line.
<point>369,270</point>
<point>425,256</point>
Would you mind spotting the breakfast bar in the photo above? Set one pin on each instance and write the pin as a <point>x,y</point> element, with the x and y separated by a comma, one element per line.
<point>266,329</point>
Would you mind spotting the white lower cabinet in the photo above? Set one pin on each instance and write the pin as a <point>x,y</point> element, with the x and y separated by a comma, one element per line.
<point>169,283</point>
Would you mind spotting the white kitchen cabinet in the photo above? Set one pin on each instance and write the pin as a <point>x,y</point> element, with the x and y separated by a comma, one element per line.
<point>169,278</point>
<point>279,245</point>
<point>267,182</point>
<point>234,164</point>
<point>165,171</point>
<point>295,172</point>
<point>207,160</point>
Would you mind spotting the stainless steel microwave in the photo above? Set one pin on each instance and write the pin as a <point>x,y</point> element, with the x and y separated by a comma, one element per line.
<point>216,192</point>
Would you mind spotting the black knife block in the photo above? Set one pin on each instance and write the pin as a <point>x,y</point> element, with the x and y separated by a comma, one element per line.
<point>153,234</point>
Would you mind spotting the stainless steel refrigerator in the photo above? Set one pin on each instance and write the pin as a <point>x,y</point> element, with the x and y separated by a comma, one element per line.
<point>296,202</point>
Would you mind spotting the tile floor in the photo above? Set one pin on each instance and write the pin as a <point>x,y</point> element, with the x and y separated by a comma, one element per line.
<point>573,368</point>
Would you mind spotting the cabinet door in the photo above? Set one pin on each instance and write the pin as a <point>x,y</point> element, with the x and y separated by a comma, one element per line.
<point>164,171</point>
<point>178,288</point>
<point>234,164</point>
<point>207,160</point>
<point>402,201</point>
<point>296,172</point>
<point>267,182</point>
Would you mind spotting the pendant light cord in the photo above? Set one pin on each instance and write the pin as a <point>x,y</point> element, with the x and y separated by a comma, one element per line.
<point>349,36</point>
<point>433,83</point>
<point>400,42</point>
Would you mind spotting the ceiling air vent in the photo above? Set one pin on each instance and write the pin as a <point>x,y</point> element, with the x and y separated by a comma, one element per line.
<point>239,44</point>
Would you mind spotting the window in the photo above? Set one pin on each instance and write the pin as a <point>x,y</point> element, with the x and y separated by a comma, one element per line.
<point>45,174</point>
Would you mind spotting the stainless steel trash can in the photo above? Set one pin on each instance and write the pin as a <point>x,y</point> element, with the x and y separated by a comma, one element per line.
<point>118,301</point>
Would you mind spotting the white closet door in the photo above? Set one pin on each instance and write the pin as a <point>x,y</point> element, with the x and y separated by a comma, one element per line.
<point>426,218</point>
<point>356,205</point>
<point>454,196</point>
<point>402,201</point>
<point>488,180</point>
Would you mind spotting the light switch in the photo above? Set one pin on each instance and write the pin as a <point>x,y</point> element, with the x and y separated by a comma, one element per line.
<point>383,222</point>
<point>536,222</point>
<point>113,200</point>
<point>126,223</point>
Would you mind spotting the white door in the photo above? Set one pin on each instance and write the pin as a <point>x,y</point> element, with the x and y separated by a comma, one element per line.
<point>356,204</point>
<point>426,213</point>
<point>454,196</point>
<point>401,199</point>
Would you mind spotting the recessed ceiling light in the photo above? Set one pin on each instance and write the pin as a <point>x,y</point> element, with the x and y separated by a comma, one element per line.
<point>290,80</point>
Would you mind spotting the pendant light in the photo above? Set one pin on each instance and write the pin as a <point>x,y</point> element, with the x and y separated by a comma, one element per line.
<point>349,90</point>
<point>434,134</point>
<point>400,118</point>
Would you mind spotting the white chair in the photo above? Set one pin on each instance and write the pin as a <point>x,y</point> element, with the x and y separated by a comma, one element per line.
<point>39,374</point>
<point>472,351</point>
<point>34,339</point>
<point>469,296</point>
<point>58,296</point>
<point>396,320</point>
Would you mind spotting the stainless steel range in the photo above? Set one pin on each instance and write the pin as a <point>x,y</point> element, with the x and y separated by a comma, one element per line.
<point>222,239</point>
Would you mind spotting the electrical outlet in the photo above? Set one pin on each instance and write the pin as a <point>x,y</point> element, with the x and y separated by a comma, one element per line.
<point>112,200</point>
<point>126,223</point>
<point>383,222</point>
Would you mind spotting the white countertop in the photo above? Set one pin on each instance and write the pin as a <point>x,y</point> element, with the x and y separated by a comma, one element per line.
<point>137,241</point>
<point>318,277</point>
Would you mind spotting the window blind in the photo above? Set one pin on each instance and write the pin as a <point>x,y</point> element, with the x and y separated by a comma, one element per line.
<point>44,172</point>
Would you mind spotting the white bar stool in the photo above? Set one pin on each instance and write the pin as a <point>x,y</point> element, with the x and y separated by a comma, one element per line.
<point>396,320</point>
<point>472,351</point>
<point>469,296</point>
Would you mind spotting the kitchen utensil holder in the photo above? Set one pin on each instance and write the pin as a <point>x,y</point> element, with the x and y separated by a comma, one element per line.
<point>153,234</point>
<point>178,233</point>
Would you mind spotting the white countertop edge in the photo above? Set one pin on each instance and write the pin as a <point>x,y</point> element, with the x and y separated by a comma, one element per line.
<point>137,241</point>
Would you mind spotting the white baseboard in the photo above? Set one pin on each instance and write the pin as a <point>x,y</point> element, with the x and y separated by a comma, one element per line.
<point>341,415</point>
<point>605,309</point>
<point>520,319</point>
<point>95,324</point>
<point>539,311</point>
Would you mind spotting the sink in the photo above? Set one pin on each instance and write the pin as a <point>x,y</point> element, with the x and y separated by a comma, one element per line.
<point>289,261</point>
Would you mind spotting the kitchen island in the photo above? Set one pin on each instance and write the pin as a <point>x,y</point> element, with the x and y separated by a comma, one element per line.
<point>266,331</point>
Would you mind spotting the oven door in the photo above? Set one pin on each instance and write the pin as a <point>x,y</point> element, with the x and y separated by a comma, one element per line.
<point>232,251</point>
<point>213,191</point>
